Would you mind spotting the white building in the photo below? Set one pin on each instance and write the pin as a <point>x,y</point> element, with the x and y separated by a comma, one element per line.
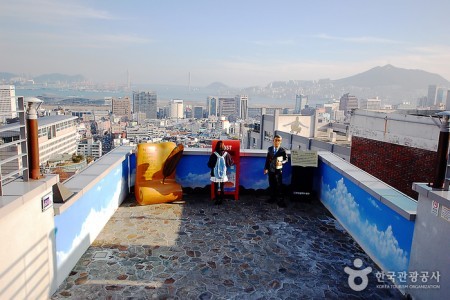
<point>8,106</point>
<point>57,135</point>
<point>242,106</point>
<point>176,109</point>
<point>223,125</point>
<point>370,104</point>
<point>91,148</point>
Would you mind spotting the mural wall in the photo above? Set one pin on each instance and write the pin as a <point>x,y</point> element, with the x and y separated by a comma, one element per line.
<point>193,172</point>
<point>383,234</point>
<point>78,226</point>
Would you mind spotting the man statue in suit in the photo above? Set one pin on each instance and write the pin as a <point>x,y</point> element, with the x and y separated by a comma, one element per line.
<point>276,157</point>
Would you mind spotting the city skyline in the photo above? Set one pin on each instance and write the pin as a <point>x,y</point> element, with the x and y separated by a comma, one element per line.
<point>237,43</point>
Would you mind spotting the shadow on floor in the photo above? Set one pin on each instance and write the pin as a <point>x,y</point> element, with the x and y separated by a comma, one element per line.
<point>244,249</point>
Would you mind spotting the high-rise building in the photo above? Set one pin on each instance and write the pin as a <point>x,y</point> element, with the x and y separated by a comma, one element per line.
<point>145,102</point>
<point>441,95</point>
<point>432,90</point>
<point>212,104</point>
<point>121,107</point>
<point>8,105</point>
<point>227,107</point>
<point>176,109</point>
<point>300,103</point>
<point>198,112</point>
<point>242,106</point>
<point>347,103</point>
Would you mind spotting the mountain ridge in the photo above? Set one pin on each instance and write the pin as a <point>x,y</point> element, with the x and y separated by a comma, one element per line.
<point>388,82</point>
<point>389,75</point>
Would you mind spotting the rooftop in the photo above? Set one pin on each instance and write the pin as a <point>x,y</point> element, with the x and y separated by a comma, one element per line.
<point>244,249</point>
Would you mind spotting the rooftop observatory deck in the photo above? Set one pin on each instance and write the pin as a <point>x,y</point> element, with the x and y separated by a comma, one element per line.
<point>100,244</point>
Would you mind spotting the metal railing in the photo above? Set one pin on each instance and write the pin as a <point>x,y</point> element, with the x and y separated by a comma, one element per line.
<point>13,149</point>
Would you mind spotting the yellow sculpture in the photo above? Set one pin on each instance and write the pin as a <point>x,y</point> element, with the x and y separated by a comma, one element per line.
<point>155,173</point>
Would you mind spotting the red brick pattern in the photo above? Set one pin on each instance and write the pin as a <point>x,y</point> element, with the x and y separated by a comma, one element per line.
<point>398,166</point>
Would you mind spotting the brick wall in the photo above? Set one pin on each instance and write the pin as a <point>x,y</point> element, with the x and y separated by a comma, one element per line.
<point>398,166</point>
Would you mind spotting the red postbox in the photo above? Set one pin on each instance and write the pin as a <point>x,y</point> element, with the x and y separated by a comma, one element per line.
<point>232,186</point>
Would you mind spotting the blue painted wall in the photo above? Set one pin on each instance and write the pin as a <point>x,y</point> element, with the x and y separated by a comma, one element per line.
<point>192,171</point>
<point>383,234</point>
<point>79,225</point>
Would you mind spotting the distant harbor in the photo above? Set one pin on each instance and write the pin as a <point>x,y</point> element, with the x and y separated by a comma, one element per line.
<point>165,93</point>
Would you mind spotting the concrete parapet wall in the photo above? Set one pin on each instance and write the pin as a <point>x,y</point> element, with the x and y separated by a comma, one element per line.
<point>430,253</point>
<point>379,217</point>
<point>27,261</point>
<point>98,191</point>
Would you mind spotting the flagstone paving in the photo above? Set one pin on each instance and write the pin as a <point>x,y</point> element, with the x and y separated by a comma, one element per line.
<point>245,249</point>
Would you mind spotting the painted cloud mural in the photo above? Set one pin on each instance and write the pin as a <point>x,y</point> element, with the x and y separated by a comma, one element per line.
<point>371,223</point>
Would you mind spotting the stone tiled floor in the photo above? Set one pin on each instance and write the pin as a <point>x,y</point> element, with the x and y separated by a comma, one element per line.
<point>245,249</point>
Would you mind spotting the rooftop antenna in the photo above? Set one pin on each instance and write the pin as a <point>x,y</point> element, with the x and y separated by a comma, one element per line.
<point>189,82</point>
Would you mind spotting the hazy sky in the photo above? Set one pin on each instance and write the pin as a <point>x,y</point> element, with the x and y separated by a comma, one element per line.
<point>239,43</point>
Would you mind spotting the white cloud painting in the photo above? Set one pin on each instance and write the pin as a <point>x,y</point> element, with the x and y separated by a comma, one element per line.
<point>378,242</point>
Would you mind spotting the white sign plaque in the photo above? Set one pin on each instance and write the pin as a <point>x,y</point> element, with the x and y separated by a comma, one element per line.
<point>47,201</point>
<point>304,158</point>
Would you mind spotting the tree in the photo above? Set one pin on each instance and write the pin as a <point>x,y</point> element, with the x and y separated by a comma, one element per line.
<point>77,158</point>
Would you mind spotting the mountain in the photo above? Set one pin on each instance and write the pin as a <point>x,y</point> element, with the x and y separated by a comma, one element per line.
<point>391,84</point>
<point>390,76</point>
<point>215,86</point>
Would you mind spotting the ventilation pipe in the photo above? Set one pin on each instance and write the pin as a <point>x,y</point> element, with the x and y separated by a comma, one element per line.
<point>442,152</point>
<point>32,137</point>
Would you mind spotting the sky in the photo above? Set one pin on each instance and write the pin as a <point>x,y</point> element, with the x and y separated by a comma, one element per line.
<point>239,43</point>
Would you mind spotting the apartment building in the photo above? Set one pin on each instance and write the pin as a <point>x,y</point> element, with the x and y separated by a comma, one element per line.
<point>370,103</point>
<point>56,135</point>
<point>227,107</point>
<point>145,102</point>
<point>121,107</point>
<point>89,147</point>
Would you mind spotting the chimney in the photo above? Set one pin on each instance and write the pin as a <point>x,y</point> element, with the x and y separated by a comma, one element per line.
<point>442,152</point>
<point>32,137</point>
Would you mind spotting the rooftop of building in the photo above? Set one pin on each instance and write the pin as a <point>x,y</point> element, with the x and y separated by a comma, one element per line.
<point>42,121</point>
<point>243,249</point>
<point>341,139</point>
<point>50,120</point>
